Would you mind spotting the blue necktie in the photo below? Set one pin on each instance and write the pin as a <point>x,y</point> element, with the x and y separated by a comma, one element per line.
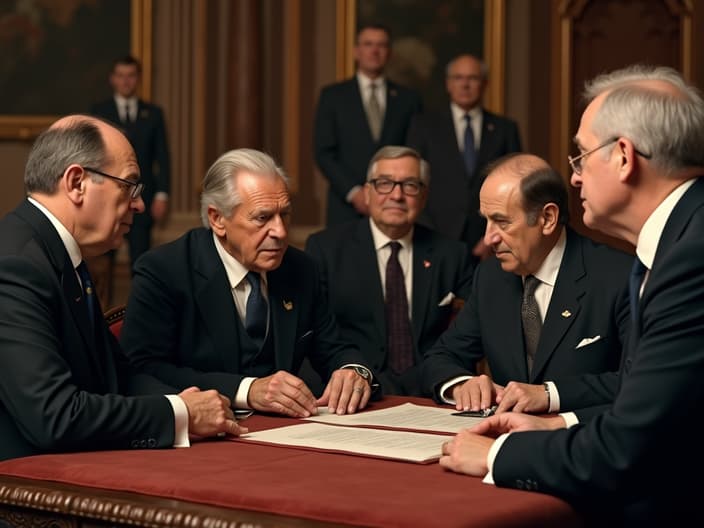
<point>636,279</point>
<point>257,310</point>
<point>469,153</point>
<point>88,291</point>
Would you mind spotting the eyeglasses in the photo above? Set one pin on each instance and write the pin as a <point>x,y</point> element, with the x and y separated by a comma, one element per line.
<point>578,161</point>
<point>387,186</point>
<point>137,187</point>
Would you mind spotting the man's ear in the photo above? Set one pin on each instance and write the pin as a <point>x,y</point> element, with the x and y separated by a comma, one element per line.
<point>549,216</point>
<point>216,221</point>
<point>73,183</point>
<point>627,160</point>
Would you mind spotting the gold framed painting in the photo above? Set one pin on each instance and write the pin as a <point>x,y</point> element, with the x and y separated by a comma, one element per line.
<point>426,35</point>
<point>55,57</point>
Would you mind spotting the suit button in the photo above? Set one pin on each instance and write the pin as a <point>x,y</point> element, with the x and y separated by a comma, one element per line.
<point>151,443</point>
<point>519,484</point>
<point>142,444</point>
<point>134,444</point>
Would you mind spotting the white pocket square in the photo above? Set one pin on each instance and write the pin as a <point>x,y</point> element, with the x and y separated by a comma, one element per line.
<point>447,299</point>
<point>588,341</point>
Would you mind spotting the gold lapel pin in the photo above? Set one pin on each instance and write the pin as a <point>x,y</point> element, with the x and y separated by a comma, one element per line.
<point>288,305</point>
<point>566,314</point>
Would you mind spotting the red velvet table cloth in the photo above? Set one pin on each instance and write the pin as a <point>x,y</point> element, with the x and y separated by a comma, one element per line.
<point>307,484</point>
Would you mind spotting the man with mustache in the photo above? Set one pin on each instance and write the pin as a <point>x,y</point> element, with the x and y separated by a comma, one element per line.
<point>230,306</point>
<point>355,258</point>
<point>550,308</point>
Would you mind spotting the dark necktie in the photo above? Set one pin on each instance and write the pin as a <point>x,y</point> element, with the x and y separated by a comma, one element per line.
<point>530,317</point>
<point>257,310</point>
<point>469,153</point>
<point>398,327</point>
<point>374,112</point>
<point>636,279</point>
<point>88,291</point>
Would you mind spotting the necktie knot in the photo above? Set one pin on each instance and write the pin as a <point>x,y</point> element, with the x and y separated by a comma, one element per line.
<point>530,285</point>
<point>395,248</point>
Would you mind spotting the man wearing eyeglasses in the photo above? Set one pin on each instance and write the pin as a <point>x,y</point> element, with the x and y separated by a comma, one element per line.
<point>66,385</point>
<point>393,329</point>
<point>459,142</point>
<point>549,309</point>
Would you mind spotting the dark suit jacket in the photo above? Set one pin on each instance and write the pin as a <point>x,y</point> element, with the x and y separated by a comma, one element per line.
<point>453,200</point>
<point>641,458</point>
<point>61,388</point>
<point>343,142</point>
<point>147,136</point>
<point>181,321</point>
<point>350,276</point>
<point>589,299</point>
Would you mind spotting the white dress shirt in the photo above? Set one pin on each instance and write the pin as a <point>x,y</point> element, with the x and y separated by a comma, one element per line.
<point>125,106</point>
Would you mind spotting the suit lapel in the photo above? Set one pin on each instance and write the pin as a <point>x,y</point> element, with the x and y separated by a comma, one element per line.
<point>369,278</point>
<point>214,300</point>
<point>509,330</point>
<point>564,305</point>
<point>355,112</point>
<point>284,307</point>
<point>423,278</point>
<point>488,139</point>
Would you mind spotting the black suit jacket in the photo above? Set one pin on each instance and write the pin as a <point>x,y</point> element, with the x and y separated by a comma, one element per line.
<point>641,458</point>
<point>343,142</point>
<point>181,321</point>
<point>589,300</point>
<point>350,276</point>
<point>147,136</point>
<point>61,389</point>
<point>453,200</point>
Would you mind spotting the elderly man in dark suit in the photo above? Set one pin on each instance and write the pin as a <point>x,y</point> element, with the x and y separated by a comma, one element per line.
<point>551,307</point>
<point>639,463</point>
<point>65,384</point>
<point>354,261</point>
<point>231,306</point>
<point>459,142</point>
<point>356,117</point>
<point>143,123</point>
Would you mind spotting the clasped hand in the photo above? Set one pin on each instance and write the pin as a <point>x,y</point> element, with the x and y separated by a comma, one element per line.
<point>480,392</point>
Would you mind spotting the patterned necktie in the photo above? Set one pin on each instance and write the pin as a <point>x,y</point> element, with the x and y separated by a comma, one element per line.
<point>88,291</point>
<point>257,310</point>
<point>636,279</point>
<point>374,112</point>
<point>398,327</point>
<point>530,317</point>
<point>469,154</point>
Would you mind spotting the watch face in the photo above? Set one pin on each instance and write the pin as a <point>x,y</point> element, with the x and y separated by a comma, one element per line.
<point>362,372</point>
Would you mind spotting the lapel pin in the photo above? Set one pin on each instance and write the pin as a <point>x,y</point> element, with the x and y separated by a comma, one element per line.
<point>288,305</point>
<point>566,314</point>
<point>490,127</point>
<point>426,263</point>
<point>392,93</point>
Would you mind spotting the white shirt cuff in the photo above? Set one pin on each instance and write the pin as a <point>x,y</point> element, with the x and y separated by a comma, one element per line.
<point>352,192</point>
<point>554,397</point>
<point>180,420</point>
<point>242,395</point>
<point>570,419</point>
<point>491,456</point>
<point>447,385</point>
<point>352,365</point>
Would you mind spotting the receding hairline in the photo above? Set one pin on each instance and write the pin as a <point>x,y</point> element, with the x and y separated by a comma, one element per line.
<point>519,166</point>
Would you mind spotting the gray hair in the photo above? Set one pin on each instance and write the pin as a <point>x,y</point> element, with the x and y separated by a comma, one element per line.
<point>395,152</point>
<point>79,142</point>
<point>483,68</point>
<point>668,127</point>
<point>220,182</point>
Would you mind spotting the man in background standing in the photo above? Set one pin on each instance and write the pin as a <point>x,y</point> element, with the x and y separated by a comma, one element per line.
<point>459,142</point>
<point>143,124</point>
<point>355,118</point>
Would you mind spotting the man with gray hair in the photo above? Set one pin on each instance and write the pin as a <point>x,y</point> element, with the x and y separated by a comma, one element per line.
<point>639,171</point>
<point>392,284</point>
<point>231,306</point>
<point>66,385</point>
<point>459,142</point>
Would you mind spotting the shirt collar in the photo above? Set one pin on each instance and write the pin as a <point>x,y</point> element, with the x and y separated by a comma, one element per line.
<point>650,233</point>
<point>235,271</point>
<point>547,273</point>
<point>132,101</point>
<point>458,113</point>
<point>365,81</point>
<point>74,252</point>
<point>381,240</point>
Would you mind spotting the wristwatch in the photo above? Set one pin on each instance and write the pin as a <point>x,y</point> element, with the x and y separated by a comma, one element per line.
<point>363,372</point>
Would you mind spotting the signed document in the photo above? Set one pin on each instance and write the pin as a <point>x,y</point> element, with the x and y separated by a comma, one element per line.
<point>421,448</point>
<point>404,416</point>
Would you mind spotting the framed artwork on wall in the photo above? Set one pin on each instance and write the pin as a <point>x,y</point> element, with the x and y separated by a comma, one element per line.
<point>55,57</point>
<point>426,36</point>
